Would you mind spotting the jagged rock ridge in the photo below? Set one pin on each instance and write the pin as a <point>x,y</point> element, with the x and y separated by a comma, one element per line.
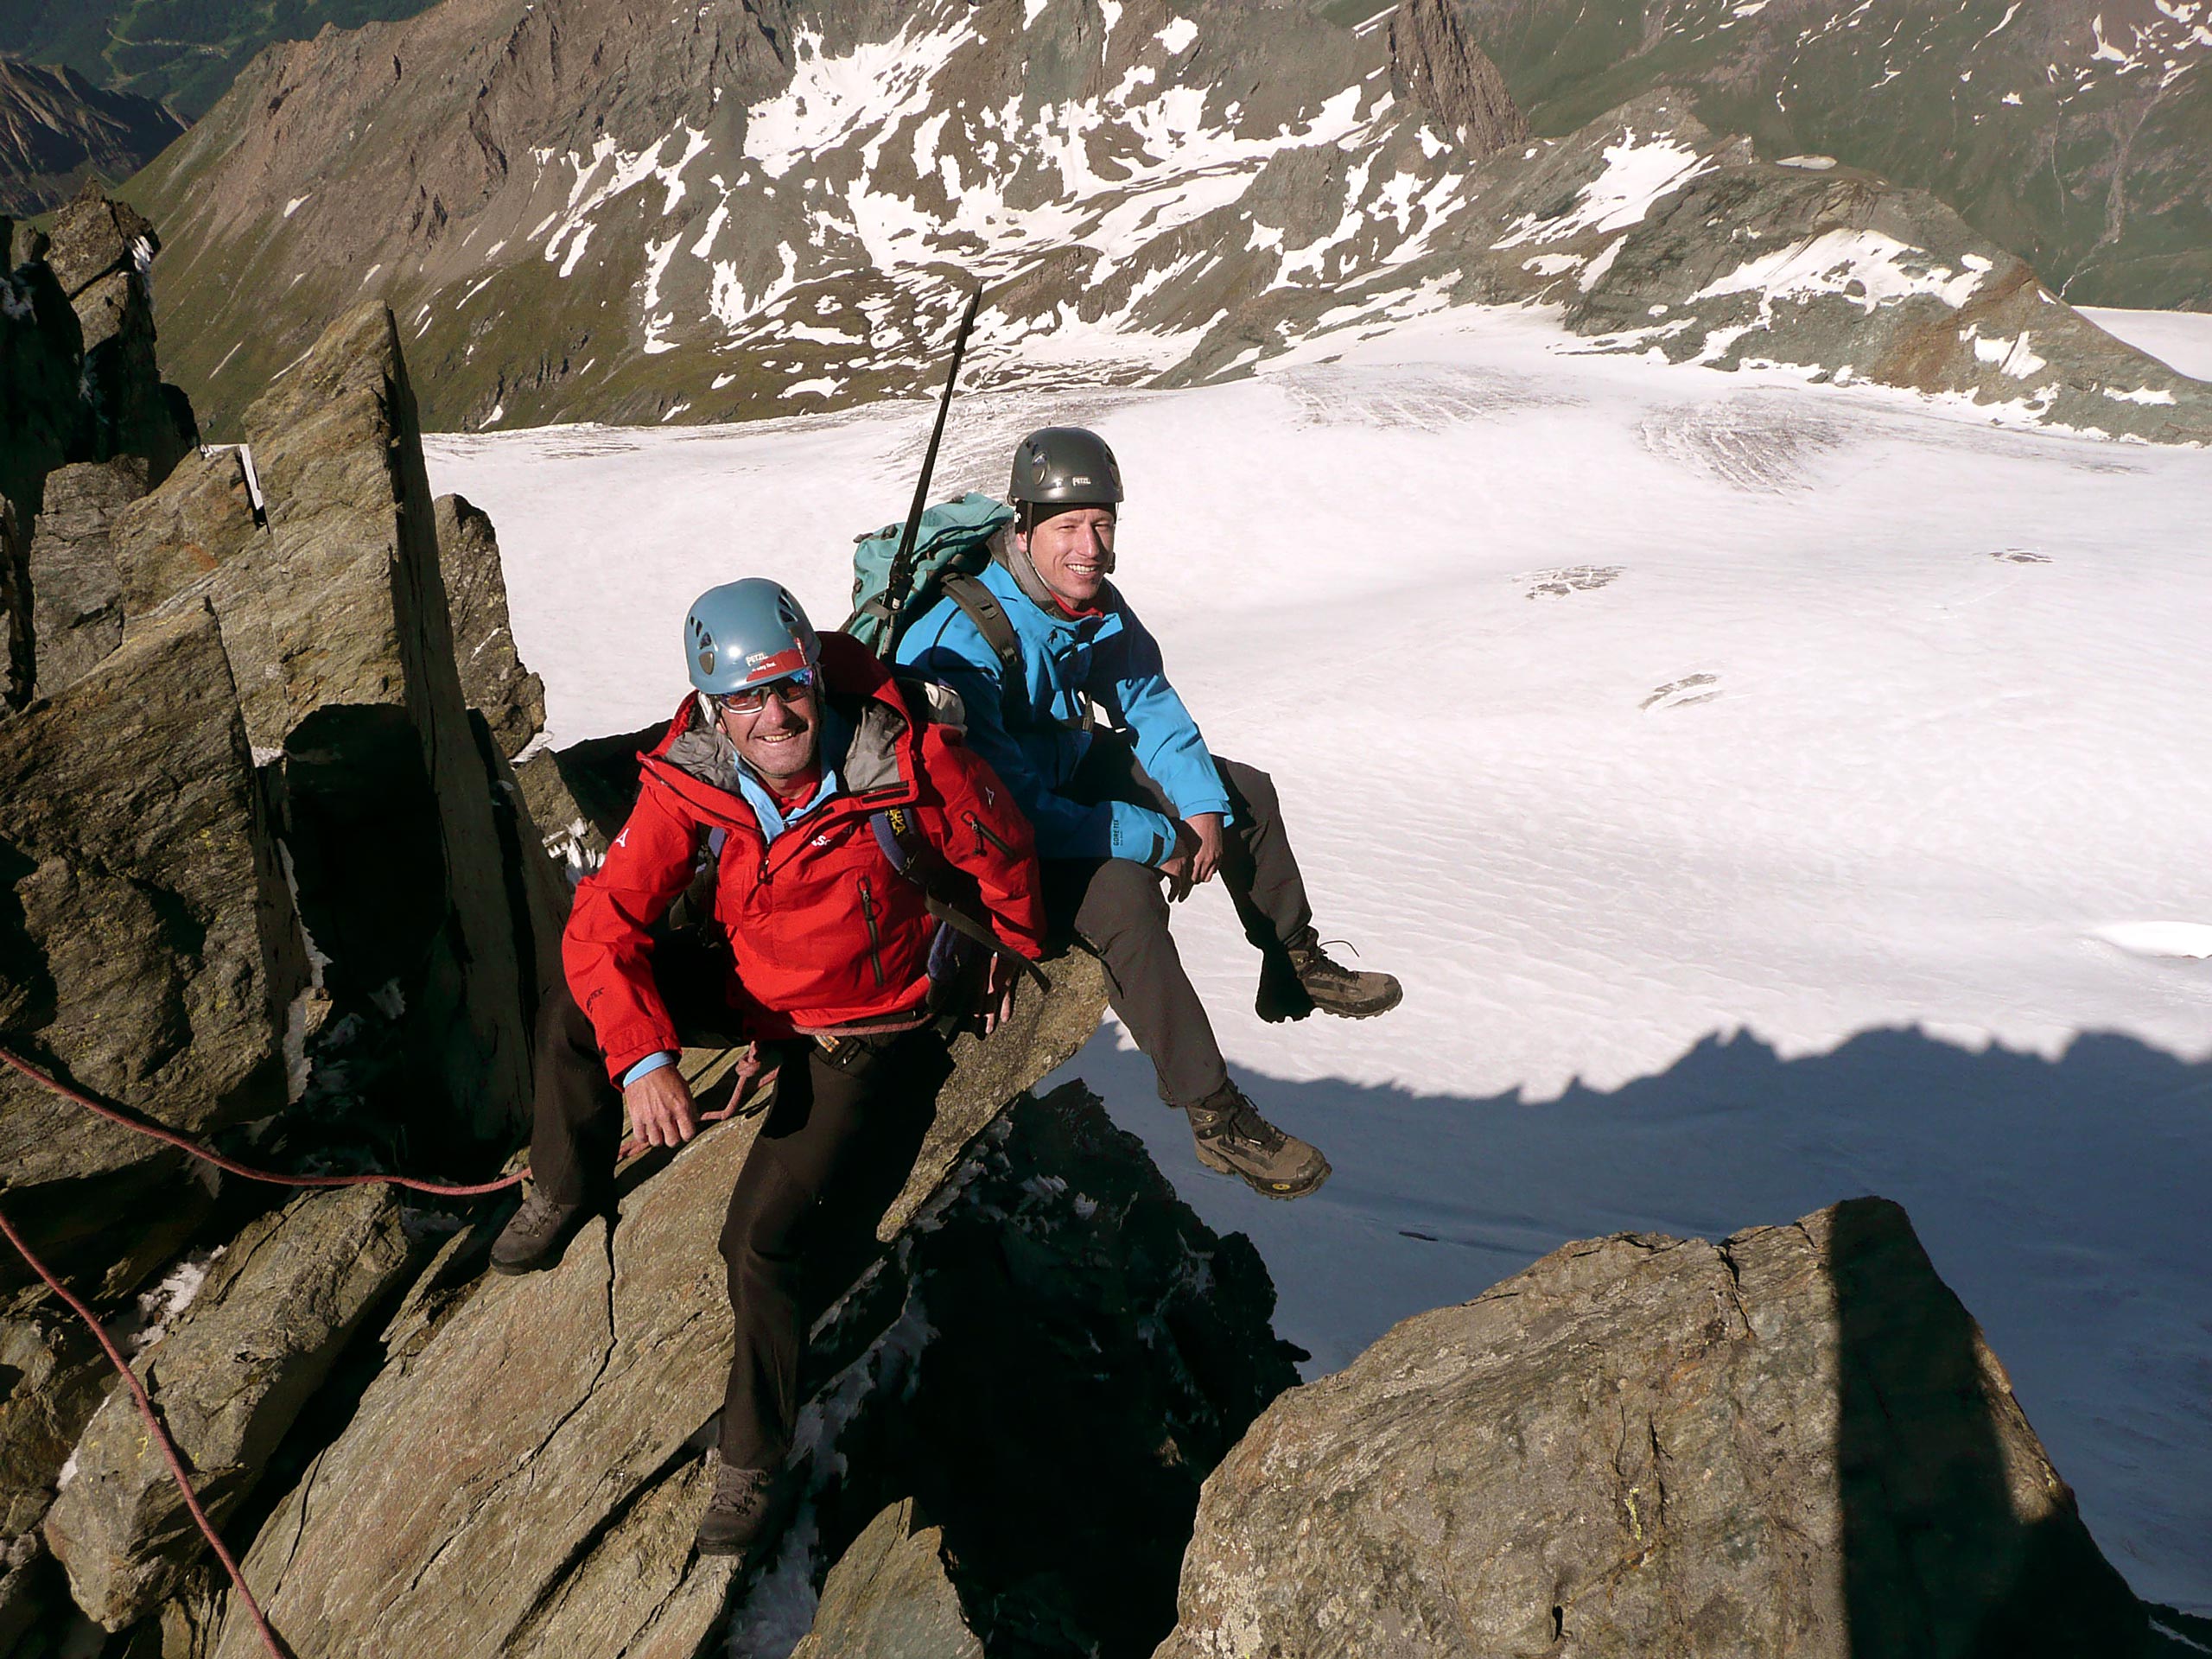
<point>57,129</point>
<point>779,210</point>
<point>2073,132</point>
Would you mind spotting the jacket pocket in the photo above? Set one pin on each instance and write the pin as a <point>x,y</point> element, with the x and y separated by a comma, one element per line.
<point>983,833</point>
<point>874,933</point>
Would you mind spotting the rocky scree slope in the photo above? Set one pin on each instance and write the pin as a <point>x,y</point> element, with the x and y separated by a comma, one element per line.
<point>57,129</point>
<point>2074,132</point>
<point>779,210</point>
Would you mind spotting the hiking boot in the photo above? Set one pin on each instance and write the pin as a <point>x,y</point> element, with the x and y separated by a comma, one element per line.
<point>539,1232</point>
<point>743,1515</point>
<point>1232,1137</point>
<point>1300,978</point>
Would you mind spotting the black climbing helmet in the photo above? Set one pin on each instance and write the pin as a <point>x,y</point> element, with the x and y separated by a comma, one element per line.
<point>1065,467</point>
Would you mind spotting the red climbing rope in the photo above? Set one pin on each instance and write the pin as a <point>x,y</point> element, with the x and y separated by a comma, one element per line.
<point>206,1154</point>
<point>269,1638</point>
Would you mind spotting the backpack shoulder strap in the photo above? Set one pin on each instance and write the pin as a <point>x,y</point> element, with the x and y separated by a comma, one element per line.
<point>981,606</point>
<point>914,859</point>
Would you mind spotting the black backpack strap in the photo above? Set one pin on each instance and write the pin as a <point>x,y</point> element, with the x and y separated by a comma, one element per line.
<point>916,861</point>
<point>981,608</point>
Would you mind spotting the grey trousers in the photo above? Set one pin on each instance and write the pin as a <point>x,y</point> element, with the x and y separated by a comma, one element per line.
<point>1119,908</point>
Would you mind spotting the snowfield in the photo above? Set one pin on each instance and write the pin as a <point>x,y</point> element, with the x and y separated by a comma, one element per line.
<point>1767,794</point>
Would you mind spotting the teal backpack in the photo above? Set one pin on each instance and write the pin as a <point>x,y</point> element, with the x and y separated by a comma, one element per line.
<point>951,547</point>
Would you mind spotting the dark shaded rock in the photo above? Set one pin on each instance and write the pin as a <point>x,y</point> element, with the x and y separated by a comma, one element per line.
<point>172,540</point>
<point>76,593</point>
<point>889,1598</point>
<point>1053,1359</point>
<point>146,945</point>
<point>29,1584</point>
<point>1436,66</point>
<point>1795,1441</point>
<point>229,1379</point>
<point>102,254</point>
<point>57,129</point>
<point>513,1454</point>
<point>18,663</point>
<point>54,1375</point>
<point>492,677</point>
<point>42,419</point>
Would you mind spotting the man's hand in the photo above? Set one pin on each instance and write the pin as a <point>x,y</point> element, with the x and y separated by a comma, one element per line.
<point>1205,858</point>
<point>997,1002</point>
<point>661,1112</point>
<point>1176,866</point>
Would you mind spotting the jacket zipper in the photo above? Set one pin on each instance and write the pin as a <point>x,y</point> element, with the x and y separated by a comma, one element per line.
<point>874,939</point>
<point>983,833</point>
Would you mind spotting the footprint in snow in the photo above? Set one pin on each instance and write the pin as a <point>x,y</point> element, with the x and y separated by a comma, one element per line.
<point>1683,693</point>
<point>1575,579</point>
<point>2167,939</point>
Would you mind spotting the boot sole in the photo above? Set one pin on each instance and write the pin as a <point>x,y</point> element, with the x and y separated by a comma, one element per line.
<point>1265,1188</point>
<point>1362,1013</point>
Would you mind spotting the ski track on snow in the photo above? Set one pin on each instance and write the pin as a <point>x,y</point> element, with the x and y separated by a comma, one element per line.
<point>1833,824</point>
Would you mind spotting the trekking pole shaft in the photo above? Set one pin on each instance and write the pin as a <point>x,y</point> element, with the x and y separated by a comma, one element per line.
<point>895,588</point>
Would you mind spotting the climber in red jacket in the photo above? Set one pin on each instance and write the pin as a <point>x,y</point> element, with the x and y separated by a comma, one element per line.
<point>866,881</point>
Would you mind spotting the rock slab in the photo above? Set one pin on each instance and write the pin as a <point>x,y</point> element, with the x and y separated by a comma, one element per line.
<point>1793,1442</point>
<point>888,1597</point>
<point>76,590</point>
<point>492,677</point>
<point>232,1375</point>
<point>530,1429</point>
<point>145,936</point>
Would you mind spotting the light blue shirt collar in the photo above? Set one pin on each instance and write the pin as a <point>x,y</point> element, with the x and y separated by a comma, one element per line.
<point>768,812</point>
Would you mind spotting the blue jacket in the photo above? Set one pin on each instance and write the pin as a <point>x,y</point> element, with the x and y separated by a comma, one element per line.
<point>1031,734</point>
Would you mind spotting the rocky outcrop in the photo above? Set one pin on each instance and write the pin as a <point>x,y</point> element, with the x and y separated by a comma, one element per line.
<point>493,678</point>
<point>1795,1442</point>
<point>102,254</point>
<point>1439,72</point>
<point>890,1598</point>
<point>512,1457</point>
<point>57,129</point>
<point>336,619</point>
<point>76,592</point>
<point>146,951</point>
<point>229,1379</point>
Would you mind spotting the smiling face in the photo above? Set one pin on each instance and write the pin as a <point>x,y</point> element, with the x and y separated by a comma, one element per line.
<point>1073,552</point>
<point>778,739</point>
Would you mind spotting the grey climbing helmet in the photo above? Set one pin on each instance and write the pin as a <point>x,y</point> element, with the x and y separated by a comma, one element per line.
<point>1064,465</point>
<point>747,633</point>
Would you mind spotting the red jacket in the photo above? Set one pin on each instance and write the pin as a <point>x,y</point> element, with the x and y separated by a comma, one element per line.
<point>823,930</point>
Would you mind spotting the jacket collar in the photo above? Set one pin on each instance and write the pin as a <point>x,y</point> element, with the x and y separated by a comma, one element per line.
<point>878,766</point>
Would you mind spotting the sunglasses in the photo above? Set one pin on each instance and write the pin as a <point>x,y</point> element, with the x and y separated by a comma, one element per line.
<point>792,688</point>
